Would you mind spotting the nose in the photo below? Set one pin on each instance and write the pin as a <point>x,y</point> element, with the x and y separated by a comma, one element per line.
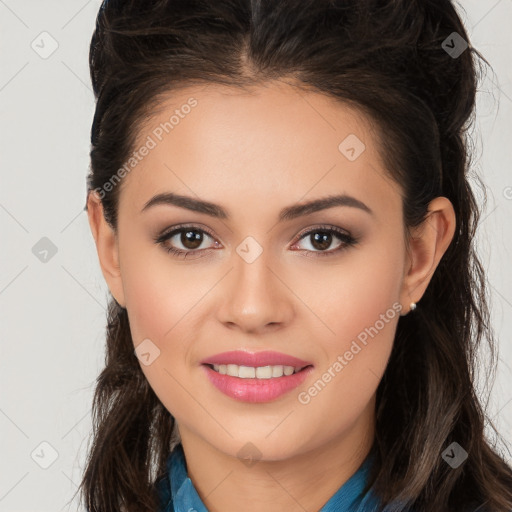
<point>255,298</point>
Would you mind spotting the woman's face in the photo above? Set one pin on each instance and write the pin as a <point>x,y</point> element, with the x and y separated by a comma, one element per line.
<point>263,273</point>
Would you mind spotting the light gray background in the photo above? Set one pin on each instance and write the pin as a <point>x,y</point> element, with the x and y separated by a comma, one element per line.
<point>53,314</point>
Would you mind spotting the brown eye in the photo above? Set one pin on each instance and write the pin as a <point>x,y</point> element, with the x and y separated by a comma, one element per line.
<point>191,239</point>
<point>321,238</point>
<point>184,241</point>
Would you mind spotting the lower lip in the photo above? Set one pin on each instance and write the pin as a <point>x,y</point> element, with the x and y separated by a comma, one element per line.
<point>256,390</point>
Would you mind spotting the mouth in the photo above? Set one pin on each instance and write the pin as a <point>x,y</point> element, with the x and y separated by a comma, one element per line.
<point>256,376</point>
<point>253,384</point>
<point>256,372</point>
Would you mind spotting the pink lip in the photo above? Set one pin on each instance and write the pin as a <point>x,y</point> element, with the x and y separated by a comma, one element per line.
<point>255,390</point>
<point>267,358</point>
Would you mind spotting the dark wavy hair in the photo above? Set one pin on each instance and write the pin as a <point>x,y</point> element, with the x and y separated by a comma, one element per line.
<point>388,59</point>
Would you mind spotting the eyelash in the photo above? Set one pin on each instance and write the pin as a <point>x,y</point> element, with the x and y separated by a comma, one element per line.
<point>348,240</point>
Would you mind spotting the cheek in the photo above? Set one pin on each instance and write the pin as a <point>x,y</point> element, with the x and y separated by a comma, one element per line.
<point>351,295</point>
<point>347,379</point>
<point>159,294</point>
<point>163,300</point>
<point>148,300</point>
<point>160,307</point>
<point>361,308</point>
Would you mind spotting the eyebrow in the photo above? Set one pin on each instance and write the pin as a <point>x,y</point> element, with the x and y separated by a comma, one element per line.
<point>287,213</point>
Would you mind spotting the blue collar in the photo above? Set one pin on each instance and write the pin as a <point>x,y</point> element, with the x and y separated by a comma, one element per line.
<point>178,494</point>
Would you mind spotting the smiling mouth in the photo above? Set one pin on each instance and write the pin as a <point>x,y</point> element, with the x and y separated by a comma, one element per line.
<point>258,372</point>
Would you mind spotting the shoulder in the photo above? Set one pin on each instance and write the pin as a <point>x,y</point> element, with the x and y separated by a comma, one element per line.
<point>163,492</point>
<point>162,488</point>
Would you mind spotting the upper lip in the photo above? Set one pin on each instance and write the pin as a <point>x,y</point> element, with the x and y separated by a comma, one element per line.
<point>266,358</point>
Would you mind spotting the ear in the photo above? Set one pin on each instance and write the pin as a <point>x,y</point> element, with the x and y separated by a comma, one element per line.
<point>428,243</point>
<point>106,246</point>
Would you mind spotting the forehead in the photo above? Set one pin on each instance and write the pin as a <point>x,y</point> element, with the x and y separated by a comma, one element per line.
<point>217,142</point>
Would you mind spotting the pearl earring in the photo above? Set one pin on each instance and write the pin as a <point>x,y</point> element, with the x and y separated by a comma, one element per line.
<point>413,306</point>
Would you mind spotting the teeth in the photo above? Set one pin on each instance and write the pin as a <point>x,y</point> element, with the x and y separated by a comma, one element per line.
<point>260,372</point>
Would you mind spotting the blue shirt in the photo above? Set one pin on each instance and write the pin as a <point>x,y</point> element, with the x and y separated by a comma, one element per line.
<point>178,494</point>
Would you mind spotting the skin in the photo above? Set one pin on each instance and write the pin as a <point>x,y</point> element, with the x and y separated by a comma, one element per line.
<point>255,153</point>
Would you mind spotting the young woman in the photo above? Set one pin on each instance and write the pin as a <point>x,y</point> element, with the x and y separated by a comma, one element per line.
<point>280,202</point>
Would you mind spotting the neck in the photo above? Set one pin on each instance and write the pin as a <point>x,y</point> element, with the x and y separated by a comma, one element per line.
<point>306,480</point>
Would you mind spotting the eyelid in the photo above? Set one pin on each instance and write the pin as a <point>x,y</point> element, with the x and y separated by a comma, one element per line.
<point>320,227</point>
<point>166,233</point>
<point>176,229</point>
<point>200,227</point>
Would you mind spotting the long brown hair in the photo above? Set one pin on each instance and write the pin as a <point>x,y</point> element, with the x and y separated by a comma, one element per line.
<point>389,59</point>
